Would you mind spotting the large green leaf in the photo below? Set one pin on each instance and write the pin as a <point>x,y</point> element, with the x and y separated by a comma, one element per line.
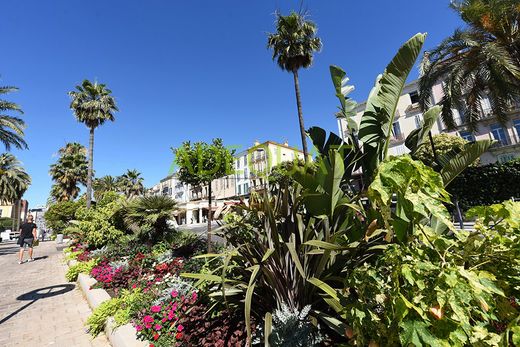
<point>376,122</point>
<point>418,137</point>
<point>455,164</point>
<point>347,109</point>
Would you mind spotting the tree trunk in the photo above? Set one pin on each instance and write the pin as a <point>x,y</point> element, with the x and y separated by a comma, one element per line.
<point>13,215</point>
<point>210,214</point>
<point>90,166</point>
<point>300,115</point>
<point>19,214</point>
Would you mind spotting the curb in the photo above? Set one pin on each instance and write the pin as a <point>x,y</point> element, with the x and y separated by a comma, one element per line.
<point>122,336</point>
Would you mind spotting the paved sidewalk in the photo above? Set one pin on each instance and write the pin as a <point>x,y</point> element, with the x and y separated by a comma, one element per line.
<point>37,305</point>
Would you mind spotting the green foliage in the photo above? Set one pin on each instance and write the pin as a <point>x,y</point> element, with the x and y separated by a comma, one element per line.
<point>281,174</point>
<point>444,144</point>
<point>102,224</point>
<point>131,184</point>
<point>103,185</point>
<point>479,60</point>
<point>148,217</point>
<point>419,138</point>
<point>11,128</point>
<point>294,42</point>
<point>441,290</point>
<point>202,163</point>
<point>80,267</point>
<point>59,214</point>
<point>487,185</point>
<point>419,192</point>
<point>68,172</point>
<point>375,129</point>
<point>69,255</point>
<point>122,308</point>
<point>14,181</point>
<point>96,321</point>
<point>6,223</point>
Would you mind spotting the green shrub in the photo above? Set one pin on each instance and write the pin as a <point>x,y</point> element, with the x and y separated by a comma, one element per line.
<point>122,308</point>
<point>441,290</point>
<point>100,225</point>
<point>81,267</point>
<point>96,321</point>
<point>487,185</point>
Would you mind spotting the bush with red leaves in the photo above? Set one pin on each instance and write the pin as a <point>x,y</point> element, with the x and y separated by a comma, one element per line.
<point>223,331</point>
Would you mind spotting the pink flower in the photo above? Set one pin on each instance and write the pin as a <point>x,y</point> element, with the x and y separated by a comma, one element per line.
<point>171,315</point>
<point>148,319</point>
<point>180,328</point>
<point>134,286</point>
<point>156,309</point>
<point>147,325</point>
<point>194,296</point>
<point>139,327</point>
<point>164,320</point>
<point>157,327</point>
<point>175,293</point>
<point>174,306</point>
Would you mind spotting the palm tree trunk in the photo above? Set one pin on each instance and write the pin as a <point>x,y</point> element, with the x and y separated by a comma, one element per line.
<point>90,166</point>
<point>300,115</point>
<point>210,214</point>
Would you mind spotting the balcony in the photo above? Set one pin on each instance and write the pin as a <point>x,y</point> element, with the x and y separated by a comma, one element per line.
<point>397,138</point>
<point>504,143</point>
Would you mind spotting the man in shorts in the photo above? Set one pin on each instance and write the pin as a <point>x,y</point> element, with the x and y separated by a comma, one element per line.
<point>27,236</point>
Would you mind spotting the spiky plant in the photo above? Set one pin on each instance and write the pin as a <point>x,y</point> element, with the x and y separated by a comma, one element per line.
<point>14,180</point>
<point>11,128</point>
<point>69,171</point>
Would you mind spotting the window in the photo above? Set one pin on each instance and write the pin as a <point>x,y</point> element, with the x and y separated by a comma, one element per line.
<point>486,106</point>
<point>1,212</point>
<point>466,135</point>
<point>227,182</point>
<point>418,121</point>
<point>238,164</point>
<point>239,190</point>
<point>245,160</point>
<point>499,134</point>
<point>246,173</point>
<point>414,97</point>
<point>516,125</point>
<point>246,188</point>
<point>396,130</point>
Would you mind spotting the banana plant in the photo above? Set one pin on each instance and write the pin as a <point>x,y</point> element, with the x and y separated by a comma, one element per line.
<point>367,147</point>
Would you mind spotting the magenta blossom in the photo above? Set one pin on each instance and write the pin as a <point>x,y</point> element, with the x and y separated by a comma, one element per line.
<point>139,327</point>
<point>156,309</point>
<point>175,293</point>
<point>157,327</point>
<point>148,319</point>
<point>180,328</point>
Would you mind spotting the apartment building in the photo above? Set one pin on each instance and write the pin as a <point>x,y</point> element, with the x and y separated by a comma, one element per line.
<point>409,117</point>
<point>251,170</point>
<point>19,209</point>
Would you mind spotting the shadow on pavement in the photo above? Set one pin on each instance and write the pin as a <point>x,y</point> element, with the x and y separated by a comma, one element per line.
<point>41,258</point>
<point>37,294</point>
<point>12,249</point>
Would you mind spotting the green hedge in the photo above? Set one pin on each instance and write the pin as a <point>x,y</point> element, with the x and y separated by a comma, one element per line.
<point>487,185</point>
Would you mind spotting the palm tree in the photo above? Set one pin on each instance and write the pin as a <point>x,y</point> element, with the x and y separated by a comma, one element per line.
<point>11,128</point>
<point>68,172</point>
<point>293,46</point>
<point>93,105</point>
<point>14,181</point>
<point>131,184</point>
<point>147,217</point>
<point>104,184</point>
<point>482,60</point>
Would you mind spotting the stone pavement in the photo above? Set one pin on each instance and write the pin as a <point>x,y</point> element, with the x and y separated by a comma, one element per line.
<point>37,305</point>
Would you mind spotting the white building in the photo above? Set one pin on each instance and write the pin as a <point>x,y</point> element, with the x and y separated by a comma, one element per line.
<point>409,117</point>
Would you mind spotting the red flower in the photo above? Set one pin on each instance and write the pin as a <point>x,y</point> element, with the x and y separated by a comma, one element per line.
<point>151,345</point>
<point>155,336</point>
<point>178,336</point>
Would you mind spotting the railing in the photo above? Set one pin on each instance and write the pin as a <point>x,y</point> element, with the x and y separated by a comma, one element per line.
<point>504,143</point>
<point>397,138</point>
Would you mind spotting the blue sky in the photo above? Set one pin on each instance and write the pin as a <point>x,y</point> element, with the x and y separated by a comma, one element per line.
<point>188,70</point>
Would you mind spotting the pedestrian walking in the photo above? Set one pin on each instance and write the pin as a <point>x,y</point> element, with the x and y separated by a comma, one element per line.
<point>27,237</point>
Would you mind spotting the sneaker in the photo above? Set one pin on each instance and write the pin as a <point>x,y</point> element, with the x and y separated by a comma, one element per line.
<point>20,262</point>
<point>30,260</point>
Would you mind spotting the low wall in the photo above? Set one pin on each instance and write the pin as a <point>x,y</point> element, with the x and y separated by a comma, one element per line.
<point>122,336</point>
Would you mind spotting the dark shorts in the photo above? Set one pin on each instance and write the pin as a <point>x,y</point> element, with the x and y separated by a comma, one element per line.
<point>28,242</point>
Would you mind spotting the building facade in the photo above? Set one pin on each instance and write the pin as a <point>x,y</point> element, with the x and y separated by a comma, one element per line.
<point>409,117</point>
<point>251,168</point>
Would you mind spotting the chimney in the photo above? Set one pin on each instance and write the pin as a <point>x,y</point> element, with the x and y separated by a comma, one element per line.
<point>257,142</point>
<point>286,143</point>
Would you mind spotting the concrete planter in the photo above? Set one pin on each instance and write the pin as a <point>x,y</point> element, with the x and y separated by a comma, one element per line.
<point>59,238</point>
<point>123,336</point>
